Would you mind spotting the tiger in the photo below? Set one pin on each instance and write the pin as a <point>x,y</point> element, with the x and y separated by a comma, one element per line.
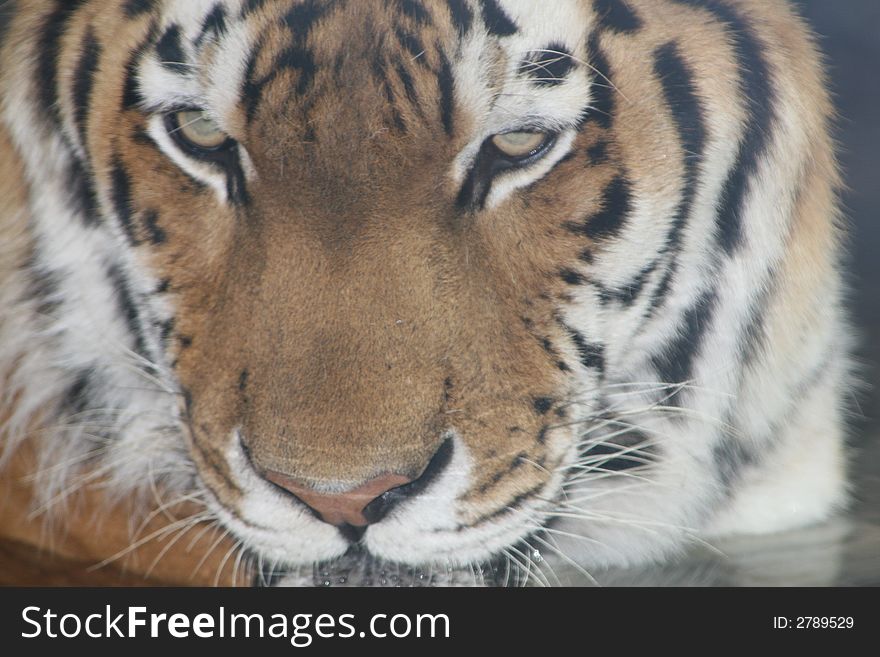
<point>446,286</point>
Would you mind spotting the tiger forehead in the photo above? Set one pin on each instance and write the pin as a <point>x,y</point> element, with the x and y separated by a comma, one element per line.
<point>226,53</point>
<point>378,54</point>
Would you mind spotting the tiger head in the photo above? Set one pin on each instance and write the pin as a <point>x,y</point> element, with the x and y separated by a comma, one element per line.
<point>432,281</point>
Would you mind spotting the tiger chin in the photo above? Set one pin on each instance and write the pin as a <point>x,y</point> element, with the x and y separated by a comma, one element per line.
<point>421,286</point>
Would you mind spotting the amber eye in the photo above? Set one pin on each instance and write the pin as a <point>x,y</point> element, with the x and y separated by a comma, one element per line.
<point>195,129</point>
<point>521,145</point>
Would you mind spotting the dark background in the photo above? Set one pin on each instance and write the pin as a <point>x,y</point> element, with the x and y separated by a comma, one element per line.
<point>849,34</point>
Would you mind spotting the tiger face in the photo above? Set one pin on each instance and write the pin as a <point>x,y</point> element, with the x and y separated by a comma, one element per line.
<point>427,281</point>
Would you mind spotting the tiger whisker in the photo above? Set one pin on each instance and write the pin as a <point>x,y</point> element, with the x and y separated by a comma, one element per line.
<point>242,552</point>
<point>213,547</point>
<point>141,542</point>
<point>555,549</point>
<point>224,561</point>
<point>183,531</point>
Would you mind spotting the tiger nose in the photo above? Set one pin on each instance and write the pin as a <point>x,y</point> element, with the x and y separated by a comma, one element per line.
<point>367,504</point>
<point>341,509</point>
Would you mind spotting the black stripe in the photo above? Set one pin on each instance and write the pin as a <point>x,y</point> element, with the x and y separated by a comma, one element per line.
<point>251,89</point>
<point>78,396</point>
<point>251,6</point>
<point>601,108</point>
<point>617,15</point>
<point>478,183</point>
<point>592,356</point>
<point>554,354</point>
<point>142,138</point>
<point>409,85</point>
<point>128,308</point>
<point>49,53</point>
<point>215,460</point>
<point>166,328</point>
<point>542,435</point>
<point>598,153</point>
<point>293,58</point>
<point>507,509</point>
<point>572,277</point>
<point>628,293</point>
<point>5,24</point>
<point>462,16</point>
<point>82,187</point>
<point>498,23</point>
<point>302,18</point>
<point>447,94</point>
<point>297,59</point>
<point>662,290</point>
<point>616,204</point>
<point>43,286</point>
<point>519,461</point>
<point>730,457</point>
<point>681,98</point>
<point>542,405</point>
<point>188,401</point>
<point>680,95</point>
<point>83,82</point>
<point>416,11</point>
<point>131,95</point>
<point>155,233</point>
<point>754,337</point>
<point>170,51</point>
<point>610,219</point>
<point>214,22</point>
<point>380,71</point>
<point>410,42</point>
<point>121,196</point>
<point>756,90</point>
<point>675,363</point>
<point>236,183</point>
<point>134,8</point>
<point>549,66</point>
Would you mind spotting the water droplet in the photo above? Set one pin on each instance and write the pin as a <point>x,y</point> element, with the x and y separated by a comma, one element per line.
<point>326,582</point>
<point>537,557</point>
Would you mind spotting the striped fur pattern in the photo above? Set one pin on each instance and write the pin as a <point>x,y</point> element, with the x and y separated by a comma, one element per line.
<point>632,341</point>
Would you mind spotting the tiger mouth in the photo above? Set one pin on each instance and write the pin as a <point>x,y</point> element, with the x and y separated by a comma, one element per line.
<point>359,568</point>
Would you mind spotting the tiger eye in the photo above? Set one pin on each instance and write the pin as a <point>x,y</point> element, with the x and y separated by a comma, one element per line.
<point>519,145</point>
<point>198,129</point>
